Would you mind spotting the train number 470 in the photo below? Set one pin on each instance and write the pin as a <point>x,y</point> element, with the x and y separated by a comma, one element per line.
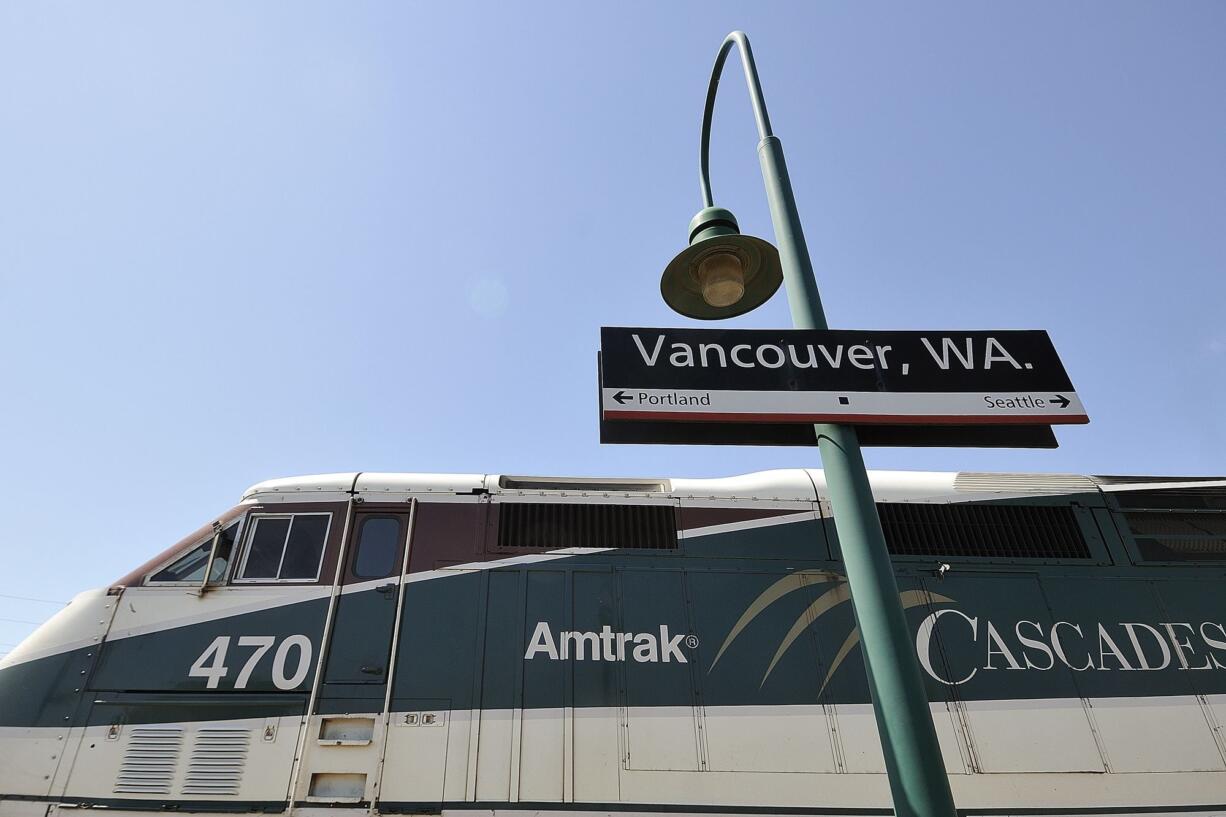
<point>212,662</point>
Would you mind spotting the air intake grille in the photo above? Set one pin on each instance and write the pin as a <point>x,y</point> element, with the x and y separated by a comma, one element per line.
<point>217,762</point>
<point>1023,483</point>
<point>1179,536</point>
<point>1177,524</point>
<point>983,531</point>
<point>1196,499</point>
<point>554,526</point>
<point>150,760</point>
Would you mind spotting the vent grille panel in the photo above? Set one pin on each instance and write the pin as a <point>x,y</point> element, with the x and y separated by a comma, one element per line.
<point>1178,536</point>
<point>217,762</point>
<point>1178,524</point>
<point>1023,483</point>
<point>982,531</point>
<point>150,761</point>
<point>1192,499</point>
<point>554,526</point>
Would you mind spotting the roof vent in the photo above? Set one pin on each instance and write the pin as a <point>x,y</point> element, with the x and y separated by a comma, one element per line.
<point>581,484</point>
<point>1024,483</point>
<point>545,526</point>
<point>982,531</point>
<point>1114,480</point>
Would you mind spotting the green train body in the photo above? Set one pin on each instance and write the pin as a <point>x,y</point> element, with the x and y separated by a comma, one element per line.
<point>432,643</point>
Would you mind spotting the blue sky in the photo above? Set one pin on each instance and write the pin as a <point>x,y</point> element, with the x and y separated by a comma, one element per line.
<point>241,241</point>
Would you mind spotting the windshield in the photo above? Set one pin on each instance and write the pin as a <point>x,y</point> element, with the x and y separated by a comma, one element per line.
<point>191,566</point>
<point>188,567</point>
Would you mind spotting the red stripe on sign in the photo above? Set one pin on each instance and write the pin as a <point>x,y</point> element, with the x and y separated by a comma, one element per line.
<point>857,419</point>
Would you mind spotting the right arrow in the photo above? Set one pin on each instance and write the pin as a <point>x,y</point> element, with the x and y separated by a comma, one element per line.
<point>1061,401</point>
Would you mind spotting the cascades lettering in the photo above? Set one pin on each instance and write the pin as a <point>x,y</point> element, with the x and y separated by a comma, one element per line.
<point>1129,646</point>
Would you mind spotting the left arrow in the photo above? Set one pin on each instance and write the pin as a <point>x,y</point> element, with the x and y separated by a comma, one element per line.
<point>622,398</point>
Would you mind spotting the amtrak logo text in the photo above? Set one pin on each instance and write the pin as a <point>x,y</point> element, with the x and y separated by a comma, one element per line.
<point>607,645</point>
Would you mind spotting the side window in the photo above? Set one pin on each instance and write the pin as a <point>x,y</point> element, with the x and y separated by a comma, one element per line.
<point>285,547</point>
<point>378,542</point>
<point>190,567</point>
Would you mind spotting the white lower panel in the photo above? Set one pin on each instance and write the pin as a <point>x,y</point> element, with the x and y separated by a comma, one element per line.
<point>769,738</point>
<point>1217,713</point>
<point>475,753</point>
<point>415,764</point>
<point>595,755</point>
<point>1090,792</point>
<point>20,808</point>
<point>541,760</point>
<point>1168,734</point>
<point>28,758</point>
<point>14,809</point>
<point>662,738</point>
<point>1033,736</point>
<point>857,734</point>
<point>494,741</point>
<point>861,746</point>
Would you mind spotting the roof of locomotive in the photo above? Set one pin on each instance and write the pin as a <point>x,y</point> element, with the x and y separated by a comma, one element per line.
<point>795,484</point>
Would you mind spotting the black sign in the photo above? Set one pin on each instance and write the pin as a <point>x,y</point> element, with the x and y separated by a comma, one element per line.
<point>660,383</point>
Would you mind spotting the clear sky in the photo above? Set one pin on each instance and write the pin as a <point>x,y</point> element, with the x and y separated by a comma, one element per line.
<point>241,241</point>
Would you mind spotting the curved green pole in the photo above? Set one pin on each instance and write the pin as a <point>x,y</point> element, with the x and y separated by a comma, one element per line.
<point>918,781</point>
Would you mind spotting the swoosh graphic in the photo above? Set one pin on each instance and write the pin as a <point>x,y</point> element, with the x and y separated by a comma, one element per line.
<point>831,598</point>
<point>908,599</point>
<point>788,584</point>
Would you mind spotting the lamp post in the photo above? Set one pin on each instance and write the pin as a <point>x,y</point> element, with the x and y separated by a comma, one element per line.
<point>723,274</point>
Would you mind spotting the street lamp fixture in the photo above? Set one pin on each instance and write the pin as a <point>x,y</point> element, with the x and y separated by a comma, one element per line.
<point>722,273</point>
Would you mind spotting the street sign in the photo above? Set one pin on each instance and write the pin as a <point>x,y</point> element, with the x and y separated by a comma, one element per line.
<point>863,378</point>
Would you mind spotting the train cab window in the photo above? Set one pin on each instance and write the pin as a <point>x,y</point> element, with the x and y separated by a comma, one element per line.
<point>285,547</point>
<point>378,541</point>
<point>190,567</point>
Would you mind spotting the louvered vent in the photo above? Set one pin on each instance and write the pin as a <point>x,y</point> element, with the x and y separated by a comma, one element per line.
<point>575,485</point>
<point>1177,524</point>
<point>1023,483</point>
<point>150,761</point>
<point>1116,480</point>
<point>553,526</point>
<point>1192,499</point>
<point>217,762</point>
<point>983,531</point>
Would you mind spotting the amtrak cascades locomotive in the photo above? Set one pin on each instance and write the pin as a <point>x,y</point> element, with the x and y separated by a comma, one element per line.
<point>445,643</point>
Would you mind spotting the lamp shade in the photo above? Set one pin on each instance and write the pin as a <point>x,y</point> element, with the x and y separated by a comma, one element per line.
<point>703,281</point>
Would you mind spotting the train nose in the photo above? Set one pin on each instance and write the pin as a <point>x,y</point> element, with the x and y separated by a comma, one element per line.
<point>42,694</point>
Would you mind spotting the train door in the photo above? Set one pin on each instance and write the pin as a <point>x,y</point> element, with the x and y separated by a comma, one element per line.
<point>344,747</point>
<point>360,648</point>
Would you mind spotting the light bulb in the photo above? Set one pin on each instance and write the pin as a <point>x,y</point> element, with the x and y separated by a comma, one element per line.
<point>722,278</point>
